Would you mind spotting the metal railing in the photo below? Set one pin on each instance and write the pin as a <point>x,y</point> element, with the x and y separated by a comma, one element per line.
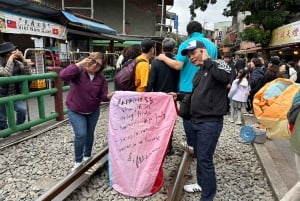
<point>23,80</point>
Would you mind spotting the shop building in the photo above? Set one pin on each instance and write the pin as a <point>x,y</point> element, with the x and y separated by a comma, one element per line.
<point>285,41</point>
<point>31,25</point>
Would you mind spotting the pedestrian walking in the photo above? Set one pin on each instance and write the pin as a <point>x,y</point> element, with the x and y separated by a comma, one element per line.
<point>12,63</point>
<point>238,94</point>
<point>208,102</point>
<point>88,88</point>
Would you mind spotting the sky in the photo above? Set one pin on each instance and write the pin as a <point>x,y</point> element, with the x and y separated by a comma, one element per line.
<point>212,14</point>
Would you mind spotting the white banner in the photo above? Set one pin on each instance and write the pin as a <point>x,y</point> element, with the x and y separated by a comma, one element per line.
<point>17,24</point>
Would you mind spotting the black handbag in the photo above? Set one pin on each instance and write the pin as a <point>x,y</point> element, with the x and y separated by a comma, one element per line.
<point>185,107</point>
<point>185,104</point>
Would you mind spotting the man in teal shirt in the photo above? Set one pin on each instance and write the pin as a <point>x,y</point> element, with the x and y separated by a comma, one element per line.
<point>187,73</point>
<point>187,69</point>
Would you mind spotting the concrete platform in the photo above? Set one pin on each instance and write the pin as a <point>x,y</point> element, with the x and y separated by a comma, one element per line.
<point>277,159</point>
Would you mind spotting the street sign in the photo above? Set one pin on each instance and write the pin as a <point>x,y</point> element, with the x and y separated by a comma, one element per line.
<point>176,22</point>
<point>220,36</point>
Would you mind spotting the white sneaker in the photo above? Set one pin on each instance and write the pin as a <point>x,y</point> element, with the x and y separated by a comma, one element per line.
<point>86,158</point>
<point>238,123</point>
<point>192,188</point>
<point>230,120</point>
<point>76,165</point>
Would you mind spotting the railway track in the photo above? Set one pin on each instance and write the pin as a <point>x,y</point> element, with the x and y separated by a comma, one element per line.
<point>73,180</point>
<point>26,135</point>
<point>38,130</point>
<point>62,189</point>
<point>81,175</point>
<point>38,167</point>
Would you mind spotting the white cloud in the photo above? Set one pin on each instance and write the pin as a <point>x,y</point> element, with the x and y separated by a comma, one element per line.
<point>212,14</point>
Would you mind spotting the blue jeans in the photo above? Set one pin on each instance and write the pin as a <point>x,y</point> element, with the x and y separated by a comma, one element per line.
<point>208,134</point>
<point>84,127</point>
<point>20,108</point>
<point>189,132</point>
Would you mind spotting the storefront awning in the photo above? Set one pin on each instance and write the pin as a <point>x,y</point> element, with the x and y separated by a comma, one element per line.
<point>116,43</point>
<point>96,35</point>
<point>88,24</point>
<point>247,51</point>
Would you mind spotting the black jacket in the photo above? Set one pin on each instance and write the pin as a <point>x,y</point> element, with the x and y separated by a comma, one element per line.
<point>209,98</point>
<point>162,78</point>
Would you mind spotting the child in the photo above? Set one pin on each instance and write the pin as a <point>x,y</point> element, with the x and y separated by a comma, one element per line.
<point>238,94</point>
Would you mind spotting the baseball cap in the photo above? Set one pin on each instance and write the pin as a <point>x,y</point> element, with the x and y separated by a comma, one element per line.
<point>147,44</point>
<point>191,46</point>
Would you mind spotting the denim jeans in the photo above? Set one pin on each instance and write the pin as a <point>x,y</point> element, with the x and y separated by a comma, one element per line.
<point>189,132</point>
<point>20,108</point>
<point>208,134</point>
<point>83,127</point>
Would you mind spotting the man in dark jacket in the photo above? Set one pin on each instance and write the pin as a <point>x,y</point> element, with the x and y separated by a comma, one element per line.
<point>208,106</point>
<point>163,78</point>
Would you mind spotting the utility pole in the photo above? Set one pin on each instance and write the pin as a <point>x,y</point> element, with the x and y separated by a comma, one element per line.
<point>162,17</point>
<point>124,21</point>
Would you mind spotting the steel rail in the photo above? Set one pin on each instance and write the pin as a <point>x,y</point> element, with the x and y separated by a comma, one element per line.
<point>42,128</point>
<point>176,188</point>
<point>72,181</point>
<point>16,139</point>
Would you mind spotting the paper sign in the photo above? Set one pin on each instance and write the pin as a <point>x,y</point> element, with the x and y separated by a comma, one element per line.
<point>140,126</point>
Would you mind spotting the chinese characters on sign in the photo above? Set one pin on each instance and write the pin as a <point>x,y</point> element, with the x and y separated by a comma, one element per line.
<point>286,34</point>
<point>11,23</point>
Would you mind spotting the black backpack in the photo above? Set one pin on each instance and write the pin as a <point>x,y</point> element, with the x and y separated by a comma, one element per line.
<point>125,79</point>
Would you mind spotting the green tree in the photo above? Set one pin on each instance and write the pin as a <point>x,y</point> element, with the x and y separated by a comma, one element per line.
<point>266,15</point>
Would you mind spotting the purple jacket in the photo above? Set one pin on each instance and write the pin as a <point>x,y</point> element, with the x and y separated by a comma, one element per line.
<point>85,95</point>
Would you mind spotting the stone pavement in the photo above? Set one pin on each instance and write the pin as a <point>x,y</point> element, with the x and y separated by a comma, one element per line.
<point>278,161</point>
<point>276,156</point>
